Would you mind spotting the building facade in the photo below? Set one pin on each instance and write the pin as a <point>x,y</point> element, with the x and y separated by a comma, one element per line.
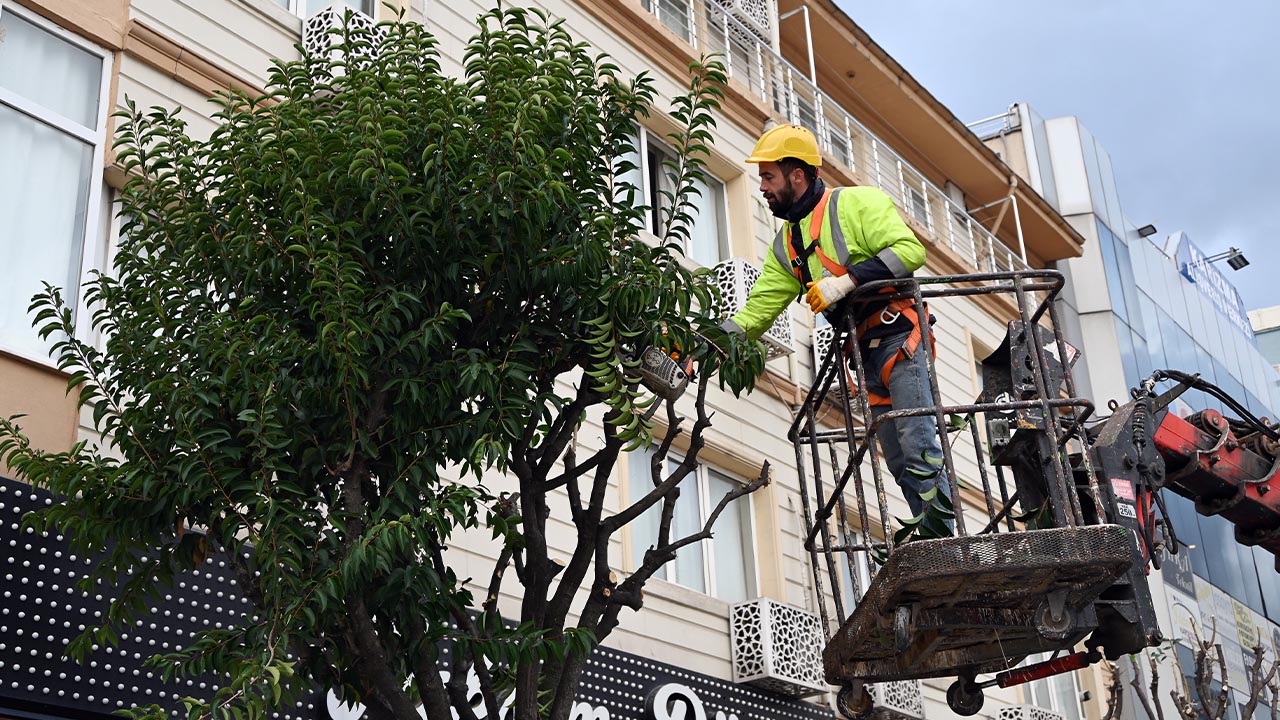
<point>1266,330</point>
<point>66,66</point>
<point>1138,303</point>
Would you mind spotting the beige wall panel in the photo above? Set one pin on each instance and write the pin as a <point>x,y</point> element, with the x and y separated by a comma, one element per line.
<point>41,394</point>
<point>102,21</point>
<point>239,36</point>
<point>148,87</point>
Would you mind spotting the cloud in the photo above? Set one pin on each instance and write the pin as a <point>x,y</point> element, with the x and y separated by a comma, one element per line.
<point>1182,96</point>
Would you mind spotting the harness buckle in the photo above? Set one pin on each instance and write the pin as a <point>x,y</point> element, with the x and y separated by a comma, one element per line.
<point>889,318</point>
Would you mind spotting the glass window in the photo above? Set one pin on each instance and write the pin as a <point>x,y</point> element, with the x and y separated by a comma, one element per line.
<point>1106,243</point>
<point>51,97</point>
<point>1269,344</point>
<point>723,566</point>
<point>1186,524</point>
<point>1142,358</point>
<point>1249,574</point>
<point>306,8</point>
<point>1059,693</point>
<point>1269,580</point>
<point>1154,331</point>
<point>1124,338</point>
<point>1224,561</point>
<point>1127,286</point>
<point>653,178</point>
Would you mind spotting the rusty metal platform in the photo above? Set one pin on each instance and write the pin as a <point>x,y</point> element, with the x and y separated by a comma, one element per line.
<point>977,604</point>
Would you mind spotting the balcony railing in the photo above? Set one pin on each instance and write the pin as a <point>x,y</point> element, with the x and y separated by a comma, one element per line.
<point>708,27</point>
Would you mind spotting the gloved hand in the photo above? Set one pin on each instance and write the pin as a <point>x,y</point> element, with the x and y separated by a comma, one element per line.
<point>828,291</point>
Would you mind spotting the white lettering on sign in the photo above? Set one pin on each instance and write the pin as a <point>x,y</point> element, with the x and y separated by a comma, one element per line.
<point>673,701</point>
<point>587,711</point>
<point>1123,489</point>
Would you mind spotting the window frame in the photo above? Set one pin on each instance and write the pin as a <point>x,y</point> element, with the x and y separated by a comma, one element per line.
<point>93,241</point>
<point>294,7</point>
<point>706,503</point>
<point>1046,684</point>
<point>651,217</point>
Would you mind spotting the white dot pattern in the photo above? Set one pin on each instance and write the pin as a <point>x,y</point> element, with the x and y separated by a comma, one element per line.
<point>41,610</point>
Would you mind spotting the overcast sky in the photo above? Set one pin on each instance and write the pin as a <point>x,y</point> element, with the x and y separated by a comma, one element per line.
<point>1184,95</point>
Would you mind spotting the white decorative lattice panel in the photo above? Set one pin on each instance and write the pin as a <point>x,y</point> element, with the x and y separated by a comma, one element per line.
<point>1028,712</point>
<point>735,277</point>
<point>756,15</point>
<point>900,700</point>
<point>821,344</point>
<point>319,36</point>
<point>777,647</point>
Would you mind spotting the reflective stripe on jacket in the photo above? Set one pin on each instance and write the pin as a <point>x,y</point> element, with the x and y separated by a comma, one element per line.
<point>869,227</point>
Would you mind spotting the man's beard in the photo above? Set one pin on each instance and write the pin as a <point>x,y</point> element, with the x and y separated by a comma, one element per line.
<point>782,201</point>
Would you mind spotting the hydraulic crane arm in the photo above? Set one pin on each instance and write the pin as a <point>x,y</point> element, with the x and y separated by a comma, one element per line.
<point>1228,469</point>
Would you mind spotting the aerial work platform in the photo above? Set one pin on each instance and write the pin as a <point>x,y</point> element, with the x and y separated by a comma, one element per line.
<point>1031,553</point>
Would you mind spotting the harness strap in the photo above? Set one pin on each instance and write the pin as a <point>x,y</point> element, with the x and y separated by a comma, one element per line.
<point>903,307</point>
<point>799,256</point>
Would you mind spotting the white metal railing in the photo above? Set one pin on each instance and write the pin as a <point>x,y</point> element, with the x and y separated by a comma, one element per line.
<point>996,124</point>
<point>708,27</point>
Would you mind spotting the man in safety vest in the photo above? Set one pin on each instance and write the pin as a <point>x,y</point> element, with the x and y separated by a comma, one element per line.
<point>832,241</point>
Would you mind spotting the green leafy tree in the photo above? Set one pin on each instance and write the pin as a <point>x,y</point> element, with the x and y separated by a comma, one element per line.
<point>327,322</point>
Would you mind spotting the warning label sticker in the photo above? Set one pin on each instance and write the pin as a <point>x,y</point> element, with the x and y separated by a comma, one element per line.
<point>1122,489</point>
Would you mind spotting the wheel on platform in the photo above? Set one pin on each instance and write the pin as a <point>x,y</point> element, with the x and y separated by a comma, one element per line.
<point>1054,628</point>
<point>854,701</point>
<point>964,697</point>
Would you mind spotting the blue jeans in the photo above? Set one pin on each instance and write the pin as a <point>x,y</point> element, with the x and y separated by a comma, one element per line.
<point>909,443</point>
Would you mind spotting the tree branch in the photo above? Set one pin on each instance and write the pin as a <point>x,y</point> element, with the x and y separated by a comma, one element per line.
<point>1257,681</point>
<point>1115,693</point>
<point>628,593</point>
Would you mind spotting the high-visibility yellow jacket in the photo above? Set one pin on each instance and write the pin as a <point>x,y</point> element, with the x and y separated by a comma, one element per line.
<point>870,240</point>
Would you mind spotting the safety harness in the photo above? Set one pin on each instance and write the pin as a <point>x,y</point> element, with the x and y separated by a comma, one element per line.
<point>798,252</point>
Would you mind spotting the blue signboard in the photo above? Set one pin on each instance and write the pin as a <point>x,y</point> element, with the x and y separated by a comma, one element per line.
<point>1195,267</point>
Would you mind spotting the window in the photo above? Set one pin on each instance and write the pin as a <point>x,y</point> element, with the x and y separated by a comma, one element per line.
<point>1059,693</point>
<point>677,15</point>
<point>52,124</point>
<point>306,8</point>
<point>725,565</point>
<point>855,574</point>
<point>653,177</point>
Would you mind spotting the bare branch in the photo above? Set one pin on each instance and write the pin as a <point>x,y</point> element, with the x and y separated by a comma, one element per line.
<point>1115,693</point>
<point>1136,683</point>
<point>1258,681</point>
<point>628,593</point>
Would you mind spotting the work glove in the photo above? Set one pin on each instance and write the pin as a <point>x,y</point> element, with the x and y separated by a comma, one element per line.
<point>828,291</point>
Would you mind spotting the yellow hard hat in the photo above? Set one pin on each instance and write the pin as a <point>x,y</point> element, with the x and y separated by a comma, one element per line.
<point>787,141</point>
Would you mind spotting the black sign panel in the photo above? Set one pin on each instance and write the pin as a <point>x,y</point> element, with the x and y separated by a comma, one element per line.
<point>41,610</point>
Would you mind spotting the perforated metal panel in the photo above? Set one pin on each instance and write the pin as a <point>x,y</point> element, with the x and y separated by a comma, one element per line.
<point>1028,712</point>
<point>318,35</point>
<point>900,700</point>
<point>735,277</point>
<point>777,647</point>
<point>41,610</point>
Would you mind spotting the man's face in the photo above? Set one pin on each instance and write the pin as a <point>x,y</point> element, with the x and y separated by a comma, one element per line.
<point>777,188</point>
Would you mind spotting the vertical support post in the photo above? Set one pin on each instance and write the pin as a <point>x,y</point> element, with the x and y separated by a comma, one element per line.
<point>848,143</point>
<point>1094,491</point>
<point>807,511</point>
<point>982,468</point>
<point>728,42</point>
<point>926,346</point>
<point>792,112</point>
<point>1017,223</point>
<point>1070,515</point>
<point>849,333</point>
